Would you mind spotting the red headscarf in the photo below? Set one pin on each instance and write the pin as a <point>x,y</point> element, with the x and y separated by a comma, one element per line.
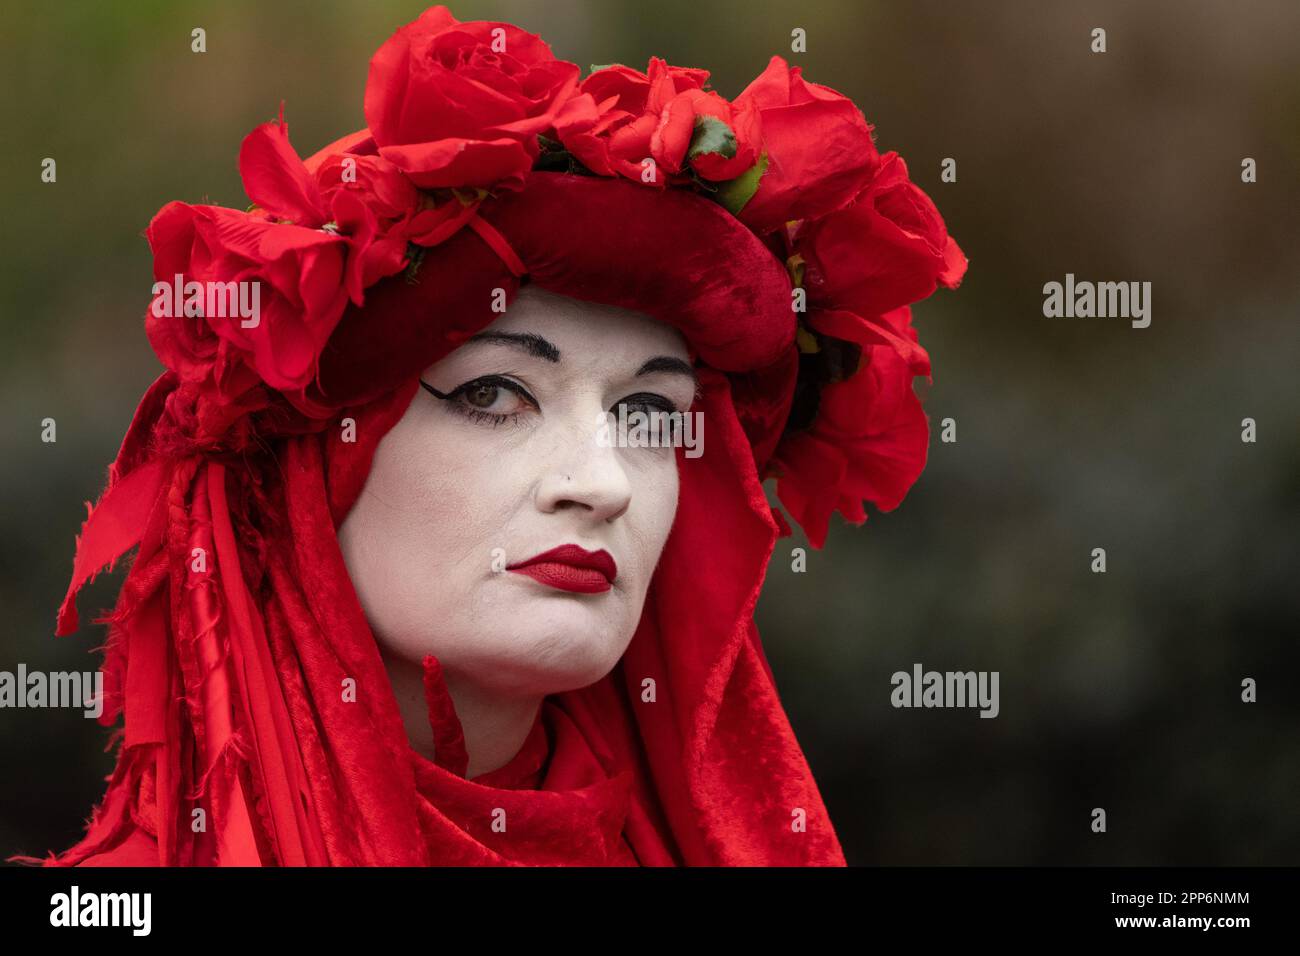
<point>259,725</point>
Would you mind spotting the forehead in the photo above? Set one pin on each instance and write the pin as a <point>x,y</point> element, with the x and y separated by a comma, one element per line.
<point>588,328</point>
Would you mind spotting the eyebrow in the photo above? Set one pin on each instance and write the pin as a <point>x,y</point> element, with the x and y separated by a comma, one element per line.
<point>542,348</point>
<point>528,341</point>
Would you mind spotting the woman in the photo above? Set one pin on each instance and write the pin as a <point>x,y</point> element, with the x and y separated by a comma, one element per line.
<point>406,591</point>
<point>513,465</point>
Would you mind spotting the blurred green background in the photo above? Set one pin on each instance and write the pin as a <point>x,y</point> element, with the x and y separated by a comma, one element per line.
<point>1118,690</point>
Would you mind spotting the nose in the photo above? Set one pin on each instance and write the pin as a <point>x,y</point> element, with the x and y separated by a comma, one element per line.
<point>584,475</point>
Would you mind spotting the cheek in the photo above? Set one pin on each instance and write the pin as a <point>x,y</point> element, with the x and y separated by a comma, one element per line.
<point>423,529</point>
<point>655,485</point>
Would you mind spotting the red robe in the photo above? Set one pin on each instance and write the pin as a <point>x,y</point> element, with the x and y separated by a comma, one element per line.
<point>240,749</point>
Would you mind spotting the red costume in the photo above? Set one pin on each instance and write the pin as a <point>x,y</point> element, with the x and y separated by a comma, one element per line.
<point>767,229</point>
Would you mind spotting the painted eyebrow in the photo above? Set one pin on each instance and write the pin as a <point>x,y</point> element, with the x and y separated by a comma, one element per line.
<point>531,343</point>
<point>542,348</point>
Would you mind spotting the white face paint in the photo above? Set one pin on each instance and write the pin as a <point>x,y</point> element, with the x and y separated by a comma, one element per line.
<point>489,468</point>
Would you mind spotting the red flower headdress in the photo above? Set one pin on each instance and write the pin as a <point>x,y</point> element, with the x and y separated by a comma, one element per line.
<point>454,124</point>
<point>768,229</point>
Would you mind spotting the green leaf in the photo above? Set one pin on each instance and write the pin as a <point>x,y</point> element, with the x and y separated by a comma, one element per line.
<point>554,161</point>
<point>712,136</point>
<point>806,340</point>
<point>468,195</point>
<point>734,193</point>
<point>415,255</point>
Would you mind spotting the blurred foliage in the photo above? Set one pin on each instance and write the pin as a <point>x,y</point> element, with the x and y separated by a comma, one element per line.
<point>1118,690</point>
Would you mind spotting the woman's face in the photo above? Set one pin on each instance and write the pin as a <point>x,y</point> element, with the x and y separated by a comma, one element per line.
<point>506,467</point>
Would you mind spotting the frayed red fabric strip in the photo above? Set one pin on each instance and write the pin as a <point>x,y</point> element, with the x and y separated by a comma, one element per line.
<point>276,750</point>
<point>112,527</point>
<point>147,675</point>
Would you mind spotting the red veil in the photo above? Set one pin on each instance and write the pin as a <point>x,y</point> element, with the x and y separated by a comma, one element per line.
<point>259,726</point>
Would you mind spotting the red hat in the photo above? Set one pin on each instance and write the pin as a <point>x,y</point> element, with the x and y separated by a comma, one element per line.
<point>767,229</point>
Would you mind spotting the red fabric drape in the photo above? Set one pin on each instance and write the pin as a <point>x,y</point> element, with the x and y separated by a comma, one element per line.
<point>236,641</point>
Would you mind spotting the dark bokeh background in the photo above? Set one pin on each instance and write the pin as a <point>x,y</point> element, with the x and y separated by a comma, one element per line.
<point>1118,690</point>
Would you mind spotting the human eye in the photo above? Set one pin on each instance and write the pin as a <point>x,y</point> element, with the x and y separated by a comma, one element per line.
<point>646,402</point>
<point>488,399</point>
<point>662,420</point>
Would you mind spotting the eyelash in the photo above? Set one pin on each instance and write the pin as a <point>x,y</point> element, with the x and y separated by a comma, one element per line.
<point>656,402</point>
<point>477,414</point>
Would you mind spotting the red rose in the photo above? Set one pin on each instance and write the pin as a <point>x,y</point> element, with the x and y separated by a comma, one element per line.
<point>377,209</point>
<point>188,345</point>
<point>461,104</point>
<point>886,249</point>
<point>365,199</point>
<point>380,185</point>
<point>380,211</point>
<point>742,148</point>
<point>894,329</point>
<point>868,441</point>
<point>818,148</point>
<point>623,117</point>
<point>299,296</point>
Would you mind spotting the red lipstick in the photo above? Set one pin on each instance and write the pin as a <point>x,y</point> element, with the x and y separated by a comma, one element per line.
<point>570,568</point>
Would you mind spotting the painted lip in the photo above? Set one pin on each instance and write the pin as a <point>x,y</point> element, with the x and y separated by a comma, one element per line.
<point>570,568</point>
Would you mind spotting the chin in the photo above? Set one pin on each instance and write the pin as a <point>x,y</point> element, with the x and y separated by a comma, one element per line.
<point>557,649</point>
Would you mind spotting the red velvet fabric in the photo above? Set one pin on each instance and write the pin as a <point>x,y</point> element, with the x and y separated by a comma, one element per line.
<point>233,702</point>
<point>602,240</point>
<point>230,673</point>
<point>260,727</point>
